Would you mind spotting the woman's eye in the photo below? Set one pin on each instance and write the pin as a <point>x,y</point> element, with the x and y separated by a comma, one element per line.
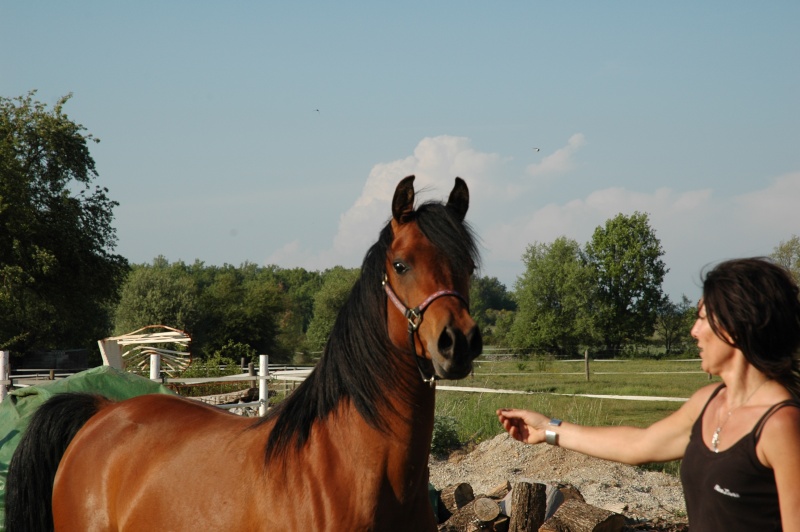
<point>399,267</point>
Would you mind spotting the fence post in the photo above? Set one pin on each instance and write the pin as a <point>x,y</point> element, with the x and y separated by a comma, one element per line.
<point>586,363</point>
<point>5,372</point>
<point>263,392</point>
<point>155,367</point>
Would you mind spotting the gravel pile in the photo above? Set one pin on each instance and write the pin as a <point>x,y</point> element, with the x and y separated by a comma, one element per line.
<point>637,494</point>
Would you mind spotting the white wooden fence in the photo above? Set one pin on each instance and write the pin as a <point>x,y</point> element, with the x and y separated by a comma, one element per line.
<point>290,375</point>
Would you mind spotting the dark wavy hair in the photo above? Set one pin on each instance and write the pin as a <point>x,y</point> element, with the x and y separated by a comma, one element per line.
<point>756,302</point>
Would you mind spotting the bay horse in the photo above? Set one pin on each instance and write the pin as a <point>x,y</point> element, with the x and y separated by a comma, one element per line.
<point>347,450</point>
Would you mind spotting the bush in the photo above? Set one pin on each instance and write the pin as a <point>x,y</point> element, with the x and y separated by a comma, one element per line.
<point>445,435</point>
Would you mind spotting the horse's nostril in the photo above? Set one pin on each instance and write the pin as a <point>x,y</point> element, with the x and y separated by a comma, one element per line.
<point>475,342</point>
<point>447,342</point>
<point>453,343</point>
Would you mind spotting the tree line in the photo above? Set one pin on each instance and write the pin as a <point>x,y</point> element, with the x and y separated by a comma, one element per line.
<point>62,285</point>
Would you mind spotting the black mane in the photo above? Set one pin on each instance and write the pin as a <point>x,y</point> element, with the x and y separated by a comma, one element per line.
<point>359,363</point>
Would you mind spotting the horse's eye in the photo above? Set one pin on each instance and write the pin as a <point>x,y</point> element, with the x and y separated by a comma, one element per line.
<point>399,267</point>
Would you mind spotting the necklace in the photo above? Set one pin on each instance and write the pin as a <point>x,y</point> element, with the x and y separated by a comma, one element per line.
<point>715,437</point>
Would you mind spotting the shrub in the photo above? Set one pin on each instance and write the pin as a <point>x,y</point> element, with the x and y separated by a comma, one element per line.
<point>445,435</point>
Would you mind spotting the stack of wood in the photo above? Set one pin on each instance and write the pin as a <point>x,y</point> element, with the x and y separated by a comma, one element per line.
<point>522,507</point>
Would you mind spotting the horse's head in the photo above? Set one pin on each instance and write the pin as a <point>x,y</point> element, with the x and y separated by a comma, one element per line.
<point>429,265</point>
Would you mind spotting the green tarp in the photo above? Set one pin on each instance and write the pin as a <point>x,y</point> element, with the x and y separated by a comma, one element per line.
<point>19,406</point>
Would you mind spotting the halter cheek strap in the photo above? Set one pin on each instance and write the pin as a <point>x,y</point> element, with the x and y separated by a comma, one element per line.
<point>414,317</point>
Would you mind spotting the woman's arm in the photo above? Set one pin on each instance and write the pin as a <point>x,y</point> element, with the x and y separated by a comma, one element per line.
<point>778,449</point>
<point>662,441</point>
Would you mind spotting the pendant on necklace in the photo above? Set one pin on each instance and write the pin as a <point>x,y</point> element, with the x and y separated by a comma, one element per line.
<point>715,439</point>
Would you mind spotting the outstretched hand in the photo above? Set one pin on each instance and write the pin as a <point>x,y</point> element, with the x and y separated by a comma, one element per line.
<point>523,425</point>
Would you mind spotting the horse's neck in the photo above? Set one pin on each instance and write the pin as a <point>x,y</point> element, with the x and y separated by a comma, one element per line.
<point>403,447</point>
<point>413,423</point>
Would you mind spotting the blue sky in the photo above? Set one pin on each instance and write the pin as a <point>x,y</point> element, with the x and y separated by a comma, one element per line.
<point>275,133</point>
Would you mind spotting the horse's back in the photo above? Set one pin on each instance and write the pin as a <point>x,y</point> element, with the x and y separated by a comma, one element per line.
<point>154,455</point>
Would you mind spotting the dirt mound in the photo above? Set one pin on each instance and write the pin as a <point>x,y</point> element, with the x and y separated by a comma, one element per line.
<point>640,495</point>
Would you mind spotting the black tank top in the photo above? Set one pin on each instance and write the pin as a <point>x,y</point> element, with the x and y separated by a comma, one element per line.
<point>730,490</point>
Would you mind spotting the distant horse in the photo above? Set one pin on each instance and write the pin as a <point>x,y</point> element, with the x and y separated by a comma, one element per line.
<point>348,450</point>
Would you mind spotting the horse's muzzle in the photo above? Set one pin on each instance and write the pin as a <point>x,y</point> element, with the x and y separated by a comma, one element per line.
<point>456,352</point>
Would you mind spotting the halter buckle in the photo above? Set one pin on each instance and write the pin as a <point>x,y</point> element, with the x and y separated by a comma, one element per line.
<point>414,317</point>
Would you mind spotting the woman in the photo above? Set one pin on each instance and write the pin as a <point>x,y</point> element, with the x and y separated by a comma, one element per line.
<point>739,440</point>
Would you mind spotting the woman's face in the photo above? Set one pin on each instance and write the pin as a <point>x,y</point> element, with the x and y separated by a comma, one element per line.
<point>714,351</point>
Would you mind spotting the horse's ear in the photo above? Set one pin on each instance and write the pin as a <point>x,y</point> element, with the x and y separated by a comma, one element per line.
<point>459,198</point>
<point>403,202</point>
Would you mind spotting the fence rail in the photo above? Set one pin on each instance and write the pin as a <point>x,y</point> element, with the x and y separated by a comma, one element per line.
<point>266,374</point>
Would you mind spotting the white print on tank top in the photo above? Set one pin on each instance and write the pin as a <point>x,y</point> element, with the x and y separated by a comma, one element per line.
<point>726,491</point>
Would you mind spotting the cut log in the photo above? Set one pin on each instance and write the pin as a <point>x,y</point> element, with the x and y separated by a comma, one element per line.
<point>499,491</point>
<point>570,492</point>
<point>528,504</point>
<point>481,512</point>
<point>576,516</point>
<point>456,496</point>
<point>485,509</point>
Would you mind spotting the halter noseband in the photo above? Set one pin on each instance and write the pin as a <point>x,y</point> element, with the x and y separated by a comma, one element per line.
<point>414,317</point>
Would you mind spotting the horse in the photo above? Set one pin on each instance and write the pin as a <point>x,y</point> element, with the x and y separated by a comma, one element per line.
<point>347,450</point>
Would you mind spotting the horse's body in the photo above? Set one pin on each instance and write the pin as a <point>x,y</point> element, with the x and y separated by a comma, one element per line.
<point>199,468</point>
<point>348,450</point>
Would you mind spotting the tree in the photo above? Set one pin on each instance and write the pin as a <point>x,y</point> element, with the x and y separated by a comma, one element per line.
<point>553,298</point>
<point>673,323</point>
<point>299,288</point>
<point>787,254</point>
<point>243,307</point>
<point>58,275</point>
<point>336,286</point>
<point>158,294</point>
<point>627,270</point>
<point>488,297</point>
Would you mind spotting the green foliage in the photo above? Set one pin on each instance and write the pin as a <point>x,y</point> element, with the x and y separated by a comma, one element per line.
<point>241,306</point>
<point>220,364</point>
<point>627,273</point>
<point>336,286</point>
<point>674,323</point>
<point>553,297</point>
<point>158,294</point>
<point>787,254</point>
<point>58,275</point>
<point>503,322</point>
<point>445,435</point>
<point>298,287</point>
<point>217,306</point>
<point>233,352</point>
<point>488,299</point>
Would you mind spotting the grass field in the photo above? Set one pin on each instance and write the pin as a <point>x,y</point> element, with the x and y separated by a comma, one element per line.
<point>552,385</point>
